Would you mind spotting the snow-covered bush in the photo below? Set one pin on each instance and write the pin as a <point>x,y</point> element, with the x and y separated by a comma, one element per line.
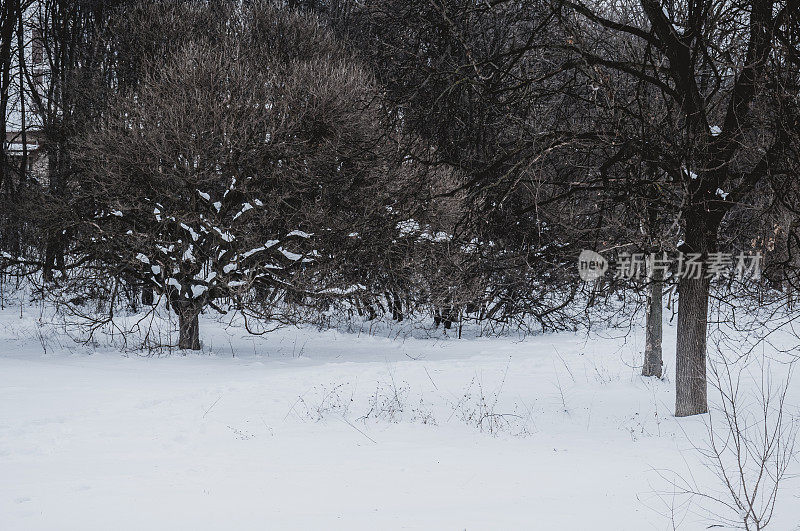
<point>233,169</point>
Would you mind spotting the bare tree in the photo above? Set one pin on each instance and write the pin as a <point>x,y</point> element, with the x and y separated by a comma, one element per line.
<point>726,87</point>
<point>231,169</point>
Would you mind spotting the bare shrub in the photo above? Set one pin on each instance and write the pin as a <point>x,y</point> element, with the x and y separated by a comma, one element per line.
<point>749,447</point>
<point>480,409</point>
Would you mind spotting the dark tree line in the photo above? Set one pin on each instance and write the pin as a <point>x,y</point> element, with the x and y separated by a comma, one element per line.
<point>448,158</point>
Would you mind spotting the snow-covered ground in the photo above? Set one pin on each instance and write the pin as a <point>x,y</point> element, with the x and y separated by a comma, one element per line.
<point>302,429</point>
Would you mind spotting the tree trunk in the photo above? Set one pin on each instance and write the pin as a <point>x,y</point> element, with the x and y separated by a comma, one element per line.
<point>23,167</point>
<point>8,19</point>
<point>652,349</point>
<point>51,255</point>
<point>54,246</point>
<point>690,353</point>
<point>693,294</point>
<point>188,326</point>
<point>148,298</point>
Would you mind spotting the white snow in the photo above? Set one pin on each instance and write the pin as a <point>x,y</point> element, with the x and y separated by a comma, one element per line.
<point>436,237</point>
<point>341,291</point>
<point>301,429</point>
<point>299,233</point>
<point>290,255</point>
<point>251,252</point>
<point>722,193</point>
<point>204,195</point>
<point>198,290</point>
<point>143,258</point>
<point>409,226</point>
<point>245,208</point>
<point>716,130</point>
<point>225,235</point>
<point>191,231</point>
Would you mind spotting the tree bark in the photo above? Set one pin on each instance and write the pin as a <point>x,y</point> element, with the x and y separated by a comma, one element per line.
<point>52,255</point>
<point>690,354</point>
<point>188,326</point>
<point>54,246</point>
<point>693,294</point>
<point>653,362</point>
<point>148,298</point>
<point>8,19</point>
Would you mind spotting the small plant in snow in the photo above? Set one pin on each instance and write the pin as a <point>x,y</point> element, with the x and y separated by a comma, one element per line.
<point>477,409</point>
<point>389,402</point>
<point>422,414</point>
<point>323,403</point>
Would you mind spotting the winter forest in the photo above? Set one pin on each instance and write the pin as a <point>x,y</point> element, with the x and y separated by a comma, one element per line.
<point>399,264</point>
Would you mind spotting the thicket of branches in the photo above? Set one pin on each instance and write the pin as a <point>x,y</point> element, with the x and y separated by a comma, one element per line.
<point>441,158</point>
